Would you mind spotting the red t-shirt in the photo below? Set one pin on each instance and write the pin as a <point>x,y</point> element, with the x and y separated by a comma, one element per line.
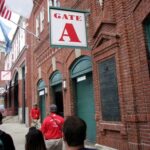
<point>35,113</point>
<point>52,126</point>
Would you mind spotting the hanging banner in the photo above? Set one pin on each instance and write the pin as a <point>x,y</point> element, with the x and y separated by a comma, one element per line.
<point>67,28</point>
<point>5,75</point>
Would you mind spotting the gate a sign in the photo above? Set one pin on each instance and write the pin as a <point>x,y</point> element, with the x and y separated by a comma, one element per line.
<point>67,28</point>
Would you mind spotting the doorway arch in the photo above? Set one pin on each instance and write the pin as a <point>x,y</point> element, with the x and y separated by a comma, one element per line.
<point>41,98</point>
<point>57,93</point>
<point>81,74</point>
<point>16,103</point>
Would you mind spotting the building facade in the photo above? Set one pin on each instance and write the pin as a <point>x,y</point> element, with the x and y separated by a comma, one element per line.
<point>15,62</point>
<point>109,85</point>
<point>121,67</point>
<point>2,83</point>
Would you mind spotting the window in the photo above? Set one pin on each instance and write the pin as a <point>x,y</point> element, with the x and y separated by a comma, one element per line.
<point>109,90</point>
<point>37,25</point>
<point>54,3</point>
<point>147,36</point>
<point>101,2</point>
<point>42,20</point>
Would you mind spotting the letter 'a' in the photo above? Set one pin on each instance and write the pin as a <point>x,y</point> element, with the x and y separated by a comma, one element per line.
<point>71,33</point>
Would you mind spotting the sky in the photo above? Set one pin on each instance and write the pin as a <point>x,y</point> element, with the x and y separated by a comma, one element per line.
<point>12,26</point>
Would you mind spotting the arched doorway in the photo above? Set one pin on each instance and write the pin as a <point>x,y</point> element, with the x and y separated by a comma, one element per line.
<point>23,96</point>
<point>81,74</point>
<point>16,103</point>
<point>56,86</point>
<point>41,98</point>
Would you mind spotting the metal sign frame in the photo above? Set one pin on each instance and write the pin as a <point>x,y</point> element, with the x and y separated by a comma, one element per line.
<point>83,32</point>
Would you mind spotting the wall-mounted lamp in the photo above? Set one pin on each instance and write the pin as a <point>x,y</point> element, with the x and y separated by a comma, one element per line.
<point>46,91</point>
<point>64,85</point>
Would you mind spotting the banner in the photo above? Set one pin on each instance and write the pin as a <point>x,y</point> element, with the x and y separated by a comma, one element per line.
<point>5,75</point>
<point>5,30</point>
<point>4,11</point>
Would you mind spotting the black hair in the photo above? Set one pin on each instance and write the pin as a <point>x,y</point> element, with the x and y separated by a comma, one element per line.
<point>34,140</point>
<point>74,130</point>
<point>1,117</point>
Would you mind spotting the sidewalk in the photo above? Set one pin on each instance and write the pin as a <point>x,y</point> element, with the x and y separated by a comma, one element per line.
<point>16,130</point>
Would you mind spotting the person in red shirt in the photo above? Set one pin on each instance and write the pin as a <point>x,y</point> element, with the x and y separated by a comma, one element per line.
<point>35,116</point>
<point>52,129</point>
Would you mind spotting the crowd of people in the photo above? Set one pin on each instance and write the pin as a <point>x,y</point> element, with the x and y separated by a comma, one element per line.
<point>55,133</point>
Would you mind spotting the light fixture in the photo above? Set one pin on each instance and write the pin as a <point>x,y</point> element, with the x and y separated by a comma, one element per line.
<point>64,85</point>
<point>46,91</point>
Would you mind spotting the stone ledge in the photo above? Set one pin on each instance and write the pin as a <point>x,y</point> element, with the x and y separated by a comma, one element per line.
<point>102,147</point>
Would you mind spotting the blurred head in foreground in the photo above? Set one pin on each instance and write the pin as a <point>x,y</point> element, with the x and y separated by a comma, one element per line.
<point>74,130</point>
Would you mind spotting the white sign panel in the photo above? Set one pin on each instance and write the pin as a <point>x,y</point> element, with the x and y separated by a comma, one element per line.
<point>41,93</point>
<point>5,75</point>
<point>79,79</point>
<point>67,28</point>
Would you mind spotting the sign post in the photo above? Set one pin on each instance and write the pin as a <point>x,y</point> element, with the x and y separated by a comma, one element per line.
<point>68,28</point>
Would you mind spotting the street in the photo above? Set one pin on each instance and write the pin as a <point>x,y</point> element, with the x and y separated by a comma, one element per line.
<point>16,130</point>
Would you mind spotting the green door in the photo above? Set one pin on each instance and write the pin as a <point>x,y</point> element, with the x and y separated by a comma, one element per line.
<point>42,105</point>
<point>85,104</point>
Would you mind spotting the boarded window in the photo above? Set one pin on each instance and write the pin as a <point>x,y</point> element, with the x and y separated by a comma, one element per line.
<point>109,90</point>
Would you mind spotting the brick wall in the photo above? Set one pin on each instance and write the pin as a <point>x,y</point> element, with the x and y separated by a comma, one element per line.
<point>132,74</point>
<point>114,29</point>
<point>2,57</point>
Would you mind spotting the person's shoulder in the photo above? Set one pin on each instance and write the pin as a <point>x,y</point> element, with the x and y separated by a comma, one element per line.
<point>1,132</point>
<point>89,149</point>
<point>47,118</point>
<point>6,134</point>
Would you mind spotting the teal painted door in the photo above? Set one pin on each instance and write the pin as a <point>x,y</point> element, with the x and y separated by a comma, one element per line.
<point>42,107</point>
<point>85,104</point>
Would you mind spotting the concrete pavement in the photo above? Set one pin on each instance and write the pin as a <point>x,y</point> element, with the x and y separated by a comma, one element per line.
<point>16,130</point>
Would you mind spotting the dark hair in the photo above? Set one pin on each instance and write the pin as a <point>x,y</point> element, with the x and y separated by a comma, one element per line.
<point>1,117</point>
<point>34,140</point>
<point>74,130</point>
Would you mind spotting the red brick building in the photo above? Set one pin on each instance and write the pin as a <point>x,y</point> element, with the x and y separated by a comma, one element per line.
<point>2,83</point>
<point>109,85</point>
<point>15,62</point>
<point>121,39</point>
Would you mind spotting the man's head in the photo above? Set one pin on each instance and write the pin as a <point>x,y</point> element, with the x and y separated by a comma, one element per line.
<point>74,130</point>
<point>1,118</point>
<point>35,105</point>
<point>53,108</point>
